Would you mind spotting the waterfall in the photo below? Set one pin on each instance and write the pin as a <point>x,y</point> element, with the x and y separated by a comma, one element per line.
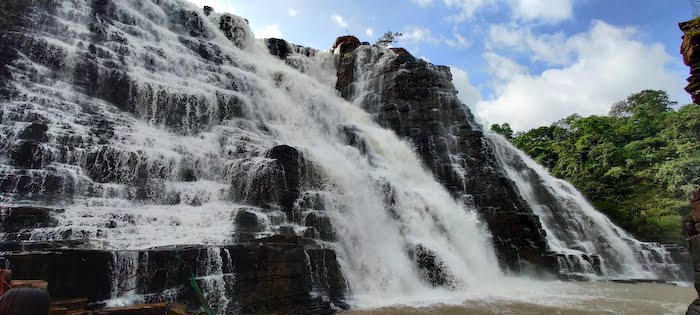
<point>151,124</point>
<point>576,230</point>
<point>161,161</point>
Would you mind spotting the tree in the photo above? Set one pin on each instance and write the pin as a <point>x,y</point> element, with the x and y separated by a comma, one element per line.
<point>388,38</point>
<point>649,100</point>
<point>503,130</point>
<point>636,165</point>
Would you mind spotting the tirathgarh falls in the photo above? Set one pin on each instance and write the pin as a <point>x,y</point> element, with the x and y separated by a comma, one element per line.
<point>157,158</point>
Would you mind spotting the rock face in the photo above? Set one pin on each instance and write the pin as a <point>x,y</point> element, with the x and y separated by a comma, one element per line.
<point>271,275</point>
<point>690,49</point>
<point>418,101</point>
<point>691,230</point>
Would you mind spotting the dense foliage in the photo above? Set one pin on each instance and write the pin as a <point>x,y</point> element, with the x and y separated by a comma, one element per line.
<point>637,165</point>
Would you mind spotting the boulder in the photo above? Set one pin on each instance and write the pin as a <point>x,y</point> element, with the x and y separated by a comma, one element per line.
<point>429,265</point>
<point>30,154</point>
<point>248,221</point>
<point>36,132</point>
<point>208,10</point>
<point>322,224</point>
<point>17,218</point>
<point>345,44</point>
<point>278,47</point>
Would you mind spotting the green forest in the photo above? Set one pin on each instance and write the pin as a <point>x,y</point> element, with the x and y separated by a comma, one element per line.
<point>637,164</point>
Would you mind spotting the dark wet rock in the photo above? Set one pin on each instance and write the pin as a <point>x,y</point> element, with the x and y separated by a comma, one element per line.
<point>345,44</point>
<point>70,272</point>
<point>312,232</point>
<point>322,224</point>
<point>287,230</point>
<point>289,158</point>
<point>419,102</point>
<point>278,47</point>
<point>208,10</point>
<point>16,218</point>
<point>234,27</point>
<point>30,154</point>
<point>431,268</point>
<point>248,221</point>
<point>35,132</point>
<point>694,308</point>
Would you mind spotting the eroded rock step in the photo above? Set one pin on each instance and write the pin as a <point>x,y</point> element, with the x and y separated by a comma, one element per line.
<point>282,274</point>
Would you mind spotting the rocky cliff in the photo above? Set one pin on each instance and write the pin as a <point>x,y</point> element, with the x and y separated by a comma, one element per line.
<point>417,100</point>
<point>691,56</point>
<point>691,224</point>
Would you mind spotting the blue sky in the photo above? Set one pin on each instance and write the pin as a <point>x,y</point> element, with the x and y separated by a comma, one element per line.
<point>526,62</point>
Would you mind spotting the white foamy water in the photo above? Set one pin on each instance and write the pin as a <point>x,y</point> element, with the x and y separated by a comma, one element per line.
<point>575,228</point>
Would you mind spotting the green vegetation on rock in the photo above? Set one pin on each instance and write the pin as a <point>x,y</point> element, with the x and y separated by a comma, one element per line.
<point>637,165</point>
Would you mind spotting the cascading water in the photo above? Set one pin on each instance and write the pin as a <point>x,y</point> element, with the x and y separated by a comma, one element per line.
<point>576,230</point>
<point>177,150</point>
<point>151,123</point>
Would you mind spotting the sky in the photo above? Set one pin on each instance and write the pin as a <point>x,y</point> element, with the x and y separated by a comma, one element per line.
<point>525,62</point>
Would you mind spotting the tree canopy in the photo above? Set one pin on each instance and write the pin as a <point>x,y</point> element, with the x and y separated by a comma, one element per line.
<point>637,165</point>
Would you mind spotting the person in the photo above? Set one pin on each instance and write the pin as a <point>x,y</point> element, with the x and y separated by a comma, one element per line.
<point>24,301</point>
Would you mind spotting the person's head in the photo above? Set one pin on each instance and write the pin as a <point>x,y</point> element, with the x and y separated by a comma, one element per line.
<point>24,301</point>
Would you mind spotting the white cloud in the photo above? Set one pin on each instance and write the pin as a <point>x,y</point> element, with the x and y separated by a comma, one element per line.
<point>466,8</point>
<point>608,64</point>
<point>467,93</point>
<point>339,20</point>
<point>423,3</point>
<point>457,41</point>
<point>269,31</point>
<point>544,10</point>
<point>502,68</point>
<point>413,34</point>
<point>369,32</point>
<point>552,49</point>
<point>416,34</point>
<point>549,11</point>
<point>292,12</point>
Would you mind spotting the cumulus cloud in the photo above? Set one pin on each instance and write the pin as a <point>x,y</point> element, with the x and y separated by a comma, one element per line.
<point>417,34</point>
<point>503,68</point>
<point>269,31</point>
<point>608,64</point>
<point>292,12</point>
<point>467,93</point>
<point>413,34</point>
<point>339,20</point>
<point>466,8</point>
<point>553,49</point>
<point>548,11</point>
<point>457,41</point>
<point>542,10</point>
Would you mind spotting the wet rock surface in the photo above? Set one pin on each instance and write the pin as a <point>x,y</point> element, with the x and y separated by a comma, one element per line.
<point>418,101</point>
<point>275,275</point>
